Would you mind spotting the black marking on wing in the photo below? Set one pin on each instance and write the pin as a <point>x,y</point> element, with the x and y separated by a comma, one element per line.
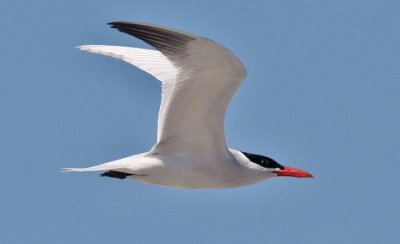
<point>116,174</point>
<point>263,161</point>
<point>167,41</point>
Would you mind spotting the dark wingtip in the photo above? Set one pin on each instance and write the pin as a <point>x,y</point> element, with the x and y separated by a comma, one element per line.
<point>118,22</point>
<point>168,41</point>
<point>115,24</point>
<point>115,174</point>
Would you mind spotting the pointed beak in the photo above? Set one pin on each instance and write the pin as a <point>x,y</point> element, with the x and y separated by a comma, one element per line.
<point>292,172</point>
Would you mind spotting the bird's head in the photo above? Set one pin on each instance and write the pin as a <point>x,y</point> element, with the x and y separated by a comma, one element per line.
<point>274,167</point>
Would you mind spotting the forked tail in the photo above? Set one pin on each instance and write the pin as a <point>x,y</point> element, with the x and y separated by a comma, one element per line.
<point>115,165</point>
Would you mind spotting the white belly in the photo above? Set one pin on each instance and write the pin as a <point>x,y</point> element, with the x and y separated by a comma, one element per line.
<point>188,173</point>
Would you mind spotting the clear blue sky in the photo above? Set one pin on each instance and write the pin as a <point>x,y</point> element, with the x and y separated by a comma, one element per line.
<point>322,94</point>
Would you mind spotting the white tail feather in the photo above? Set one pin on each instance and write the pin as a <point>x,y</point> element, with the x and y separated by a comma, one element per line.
<point>113,165</point>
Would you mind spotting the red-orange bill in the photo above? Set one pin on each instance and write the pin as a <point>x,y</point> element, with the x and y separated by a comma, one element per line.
<point>292,172</point>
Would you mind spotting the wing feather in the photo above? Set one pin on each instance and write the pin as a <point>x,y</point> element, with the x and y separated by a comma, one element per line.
<point>151,61</point>
<point>199,78</point>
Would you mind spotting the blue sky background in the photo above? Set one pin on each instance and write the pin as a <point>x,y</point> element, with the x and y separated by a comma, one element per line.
<point>322,95</point>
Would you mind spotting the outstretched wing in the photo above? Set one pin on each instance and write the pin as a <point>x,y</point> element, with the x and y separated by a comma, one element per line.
<point>199,78</point>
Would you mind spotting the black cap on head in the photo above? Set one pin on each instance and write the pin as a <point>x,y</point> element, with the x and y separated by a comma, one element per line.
<point>263,161</point>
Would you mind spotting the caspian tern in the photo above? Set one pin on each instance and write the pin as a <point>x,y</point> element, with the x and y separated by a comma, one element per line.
<point>199,78</point>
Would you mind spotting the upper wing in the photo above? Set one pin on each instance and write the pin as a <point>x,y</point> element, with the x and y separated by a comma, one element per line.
<point>199,78</point>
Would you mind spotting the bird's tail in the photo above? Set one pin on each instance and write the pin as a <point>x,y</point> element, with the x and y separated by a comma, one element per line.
<point>113,165</point>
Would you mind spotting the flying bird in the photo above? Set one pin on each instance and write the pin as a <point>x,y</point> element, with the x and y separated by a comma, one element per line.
<point>199,78</point>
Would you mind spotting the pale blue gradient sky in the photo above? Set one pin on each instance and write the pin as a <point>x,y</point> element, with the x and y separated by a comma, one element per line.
<point>322,95</point>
